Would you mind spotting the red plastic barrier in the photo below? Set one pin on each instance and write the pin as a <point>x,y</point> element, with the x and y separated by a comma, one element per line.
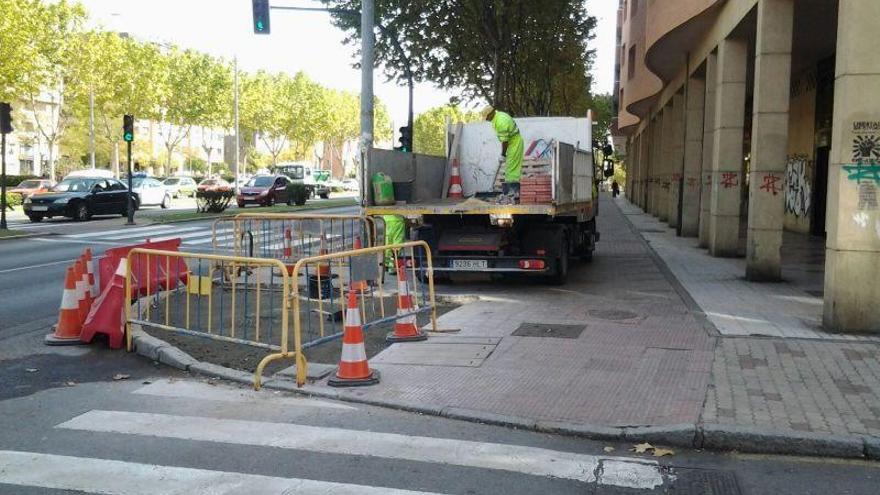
<point>106,315</point>
<point>146,271</point>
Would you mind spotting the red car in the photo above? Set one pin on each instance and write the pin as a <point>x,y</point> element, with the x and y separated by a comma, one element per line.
<point>30,187</point>
<point>265,190</point>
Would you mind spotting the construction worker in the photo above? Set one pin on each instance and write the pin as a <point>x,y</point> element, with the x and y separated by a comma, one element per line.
<point>512,149</point>
<point>395,233</point>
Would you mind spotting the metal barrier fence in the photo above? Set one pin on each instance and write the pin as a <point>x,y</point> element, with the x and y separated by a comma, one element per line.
<point>225,298</point>
<point>290,237</point>
<point>320,283</point>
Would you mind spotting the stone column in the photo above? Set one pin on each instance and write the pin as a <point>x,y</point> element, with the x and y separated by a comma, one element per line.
<point>852,260</point>
<point>693,158</point>
<point>676,157</point>
<point>666,131</point>
<point>655,163</point>
<point>727,152</point>
<point>769,139</point>
<point>708,147</point>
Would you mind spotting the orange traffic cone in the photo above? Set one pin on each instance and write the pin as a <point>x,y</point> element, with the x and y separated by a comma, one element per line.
<point>354,370</point>
<point>288,244</point>
<point>87,298</point>
<point>67,330</point>
<point>405,327</point>
<point>455,190</point>
<point>90,268</point>
<point>82,303</point>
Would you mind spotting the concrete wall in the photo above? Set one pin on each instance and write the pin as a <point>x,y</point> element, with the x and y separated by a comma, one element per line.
<point>800,172</point>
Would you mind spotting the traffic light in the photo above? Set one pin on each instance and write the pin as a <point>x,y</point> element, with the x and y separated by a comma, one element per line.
<point>261,16</point>
<point>5,118</point>
<point>405,139</point>
<point>128,128</point>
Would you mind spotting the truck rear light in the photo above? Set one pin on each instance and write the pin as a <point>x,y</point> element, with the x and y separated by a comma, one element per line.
<point>532,264</point>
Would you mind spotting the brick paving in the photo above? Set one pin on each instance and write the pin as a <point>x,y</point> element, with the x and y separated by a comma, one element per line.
<point>648,356</point>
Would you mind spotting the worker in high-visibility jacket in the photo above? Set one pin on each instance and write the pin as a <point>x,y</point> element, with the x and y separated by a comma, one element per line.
<point>512,150</point>
<point>395,233</point>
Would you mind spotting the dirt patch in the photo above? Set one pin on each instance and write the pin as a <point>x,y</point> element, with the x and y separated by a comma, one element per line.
<point>245,358</point>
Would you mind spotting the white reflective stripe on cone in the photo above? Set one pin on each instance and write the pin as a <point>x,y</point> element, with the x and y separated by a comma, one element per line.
<point>80,289</point>
<point>352,317</point>
<point>93,288</point>
<point>69,299</point>
<point>353,353</point>
<point>402,288</point>
<point>123,267</point>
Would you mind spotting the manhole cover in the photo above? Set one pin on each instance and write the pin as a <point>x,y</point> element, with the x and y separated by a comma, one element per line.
<point>703,482</point>
<point>554,330</point>
<point>612,314</point>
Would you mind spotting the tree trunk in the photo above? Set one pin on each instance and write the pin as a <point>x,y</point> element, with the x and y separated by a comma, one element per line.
<point>51,158</point>
<point>116,159</point>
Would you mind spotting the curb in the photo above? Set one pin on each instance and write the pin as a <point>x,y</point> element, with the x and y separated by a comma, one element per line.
<point>22,236</point>
<point>716,437</point>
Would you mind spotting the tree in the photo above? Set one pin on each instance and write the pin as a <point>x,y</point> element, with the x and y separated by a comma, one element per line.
<point>58,71</point>
<point>265,108</point>
<point>20,24</point>
<point>528,57</point>
<point>430,128</point>
<point>603,107</point>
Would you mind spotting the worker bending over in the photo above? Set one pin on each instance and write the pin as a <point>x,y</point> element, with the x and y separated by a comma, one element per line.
<point>512,150</point>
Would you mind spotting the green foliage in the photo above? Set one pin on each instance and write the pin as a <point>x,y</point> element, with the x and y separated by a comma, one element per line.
<point>13,200</point>
<point>430,128</point>
<point>298,193</point>
<point>603,107</point>
<point>14,180</point>
<point>214,201</point>
<point>528,57</point>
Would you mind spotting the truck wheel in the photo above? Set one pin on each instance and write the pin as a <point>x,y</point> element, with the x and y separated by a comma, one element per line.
<point>560,275</point>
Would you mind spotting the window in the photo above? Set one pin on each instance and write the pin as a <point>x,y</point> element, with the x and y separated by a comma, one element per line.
<point>115,185</point>
<point>631,63</point>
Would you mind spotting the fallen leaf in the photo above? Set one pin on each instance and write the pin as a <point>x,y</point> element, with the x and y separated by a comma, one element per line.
<point>31,370</point>
<point>641,448</point>
<point>608,449</point>
<point>121,376</point>
<point>658,452</point>
<point>70,384</point>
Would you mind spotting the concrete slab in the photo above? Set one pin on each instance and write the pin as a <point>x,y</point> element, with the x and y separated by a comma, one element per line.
<point>430,353</point>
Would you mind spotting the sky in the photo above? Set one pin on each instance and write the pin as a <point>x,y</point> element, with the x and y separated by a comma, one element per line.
<point>300,41</point>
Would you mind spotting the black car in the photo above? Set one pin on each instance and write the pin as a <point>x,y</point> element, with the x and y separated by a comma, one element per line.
<point>80,198</point>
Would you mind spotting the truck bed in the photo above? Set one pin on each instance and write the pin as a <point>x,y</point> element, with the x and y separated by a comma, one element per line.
<point>472,206</point>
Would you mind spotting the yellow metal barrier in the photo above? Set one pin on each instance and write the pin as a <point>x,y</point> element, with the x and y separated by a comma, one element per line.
<point>288,237</point>
<point>318,273</point>
<point>225,298</point>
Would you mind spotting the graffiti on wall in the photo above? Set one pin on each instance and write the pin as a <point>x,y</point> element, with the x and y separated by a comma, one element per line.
<point>865,170</point>
<point>798,190</point>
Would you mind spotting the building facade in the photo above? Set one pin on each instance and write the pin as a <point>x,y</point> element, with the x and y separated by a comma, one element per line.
<point>744,118</point>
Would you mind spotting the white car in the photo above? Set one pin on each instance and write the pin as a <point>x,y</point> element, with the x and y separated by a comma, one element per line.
<point>350,185</point>
<point>151,192</point>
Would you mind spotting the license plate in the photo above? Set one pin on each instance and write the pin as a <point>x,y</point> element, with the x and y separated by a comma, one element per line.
<point>39,208</point>
<point>470,264</point>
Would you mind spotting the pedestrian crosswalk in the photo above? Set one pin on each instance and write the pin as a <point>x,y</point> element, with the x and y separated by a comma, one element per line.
<point>193,235</point>
<point>194,417</point>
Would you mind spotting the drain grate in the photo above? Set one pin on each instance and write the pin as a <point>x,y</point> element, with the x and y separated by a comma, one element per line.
<point>703,482</point>
<point>612,314</point>
<point>553,330</point>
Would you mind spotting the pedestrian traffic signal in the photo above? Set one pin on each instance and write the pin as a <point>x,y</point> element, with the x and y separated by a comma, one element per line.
<point>261,16</point>
<point>5,118</point>
<point>405,139</point>
<point>128,128</point>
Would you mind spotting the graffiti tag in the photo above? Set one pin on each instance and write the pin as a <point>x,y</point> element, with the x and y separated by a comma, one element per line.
<point>798,190</point>
<point>692,182</point>
<point>771,184</point>
<point>859,172</point>
<point>729,179</point>
<point>867,196</point>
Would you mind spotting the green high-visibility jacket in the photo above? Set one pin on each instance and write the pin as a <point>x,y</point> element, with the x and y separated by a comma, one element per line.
<point>508,132</point>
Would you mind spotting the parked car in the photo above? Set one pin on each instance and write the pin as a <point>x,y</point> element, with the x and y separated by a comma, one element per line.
<point>80,198</point>
<point>265,190</point>
<point>213,185</point>
<point>151,192</point>
<point>30,187</point>
<point>350,185</point>
<point>180,186</point>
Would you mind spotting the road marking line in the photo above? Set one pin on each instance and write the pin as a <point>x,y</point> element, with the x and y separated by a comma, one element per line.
<point>111,477</point>
<point>629,475</point>
<point>42,265</point>
<point>63,240</point>
<point>515,458</point>
<point>164,230</point>
<point>203,391</point>
<point>131,231</point>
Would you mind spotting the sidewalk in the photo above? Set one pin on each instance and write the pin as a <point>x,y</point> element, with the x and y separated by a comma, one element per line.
<point>746,367</point>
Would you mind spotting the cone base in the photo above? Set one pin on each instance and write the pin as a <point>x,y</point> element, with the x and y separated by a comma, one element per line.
<point>51,339</point>
<point>392,338</point>
<point>373,379</point>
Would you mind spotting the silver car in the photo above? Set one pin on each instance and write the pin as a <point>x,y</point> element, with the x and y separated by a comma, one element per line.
<point>151,192</point>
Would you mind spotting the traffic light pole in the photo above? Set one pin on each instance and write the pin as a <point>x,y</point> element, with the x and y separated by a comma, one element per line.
<point>3,182</point>
<point>130,192</point>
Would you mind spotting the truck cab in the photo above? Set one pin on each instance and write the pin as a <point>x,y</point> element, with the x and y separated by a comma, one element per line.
<point>316,181</point>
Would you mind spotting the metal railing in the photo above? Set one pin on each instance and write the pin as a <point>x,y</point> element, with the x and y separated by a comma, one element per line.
<point>319,285</point>
<point>289,237</point>
<point>224,298</point>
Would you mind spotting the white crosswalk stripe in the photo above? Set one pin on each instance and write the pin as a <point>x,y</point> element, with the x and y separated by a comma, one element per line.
<point>117,475</point>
